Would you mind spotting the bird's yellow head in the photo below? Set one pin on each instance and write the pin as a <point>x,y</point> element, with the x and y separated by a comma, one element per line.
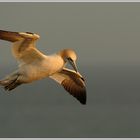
<point>70,56</point>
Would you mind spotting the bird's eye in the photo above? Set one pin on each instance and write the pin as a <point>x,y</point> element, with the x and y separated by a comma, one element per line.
<point>69,59</point>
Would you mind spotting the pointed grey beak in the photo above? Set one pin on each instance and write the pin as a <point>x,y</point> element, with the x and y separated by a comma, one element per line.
<point>73,64</point>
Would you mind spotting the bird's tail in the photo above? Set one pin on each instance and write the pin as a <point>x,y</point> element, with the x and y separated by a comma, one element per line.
<point>10,82</point>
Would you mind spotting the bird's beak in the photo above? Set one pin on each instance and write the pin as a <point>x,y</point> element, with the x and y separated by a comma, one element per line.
<point>73,64</point>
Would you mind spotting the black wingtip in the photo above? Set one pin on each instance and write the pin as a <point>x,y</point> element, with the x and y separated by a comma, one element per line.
<point>83,101</point>
<point>29,33</point>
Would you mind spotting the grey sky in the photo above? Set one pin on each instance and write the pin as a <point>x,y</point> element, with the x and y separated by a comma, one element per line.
<point>101,33</point>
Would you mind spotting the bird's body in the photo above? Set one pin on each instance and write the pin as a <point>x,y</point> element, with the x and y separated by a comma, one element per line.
<point>39,69</point>
<point>34,65</point>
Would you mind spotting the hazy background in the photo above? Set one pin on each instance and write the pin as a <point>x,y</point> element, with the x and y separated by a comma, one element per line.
<point>106,37</point>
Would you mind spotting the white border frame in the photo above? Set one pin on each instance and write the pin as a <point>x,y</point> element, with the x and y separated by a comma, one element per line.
<point>69,0</point>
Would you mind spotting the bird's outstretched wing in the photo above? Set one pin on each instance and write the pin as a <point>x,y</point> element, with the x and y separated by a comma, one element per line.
<point>72,82</point>
<point>23,45</point>
<point>17,36</point>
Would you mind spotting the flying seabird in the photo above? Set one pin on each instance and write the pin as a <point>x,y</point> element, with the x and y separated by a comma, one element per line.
<point>34,65</point>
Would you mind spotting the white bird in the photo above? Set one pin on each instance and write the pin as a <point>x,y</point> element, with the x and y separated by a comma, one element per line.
<point>34,65</point>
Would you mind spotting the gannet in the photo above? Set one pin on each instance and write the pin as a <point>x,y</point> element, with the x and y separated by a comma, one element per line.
<point>34,65</point>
